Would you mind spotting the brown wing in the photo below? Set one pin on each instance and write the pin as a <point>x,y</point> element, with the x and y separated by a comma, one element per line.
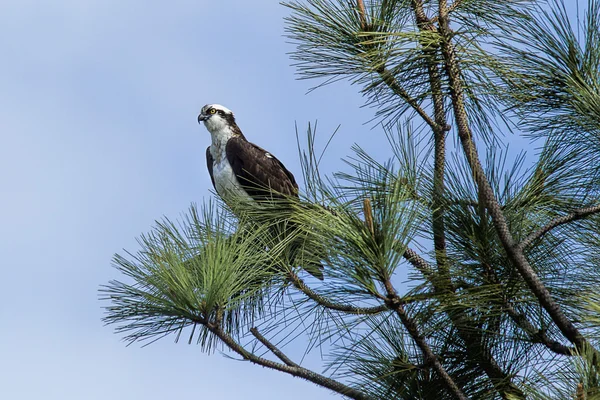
<point>258,171</point>
<point>209,164</point>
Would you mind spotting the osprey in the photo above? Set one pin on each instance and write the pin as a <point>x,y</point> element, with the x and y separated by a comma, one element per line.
<point>240,169</point>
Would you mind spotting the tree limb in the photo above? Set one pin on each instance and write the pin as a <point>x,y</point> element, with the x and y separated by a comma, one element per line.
<point>394,302</point>
<point>294,370</point>
<point>325,302</point>
<point>573,216</point>
<point>478,352</point>
<point>272,347</point>
<point>537,335</point>
<point>419,339</point>
<point>513,251</point>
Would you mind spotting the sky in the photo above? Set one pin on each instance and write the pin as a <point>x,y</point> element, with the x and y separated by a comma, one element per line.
<point>98,108</point>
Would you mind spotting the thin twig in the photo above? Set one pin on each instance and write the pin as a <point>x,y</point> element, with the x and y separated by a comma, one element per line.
<point>325,302</point>
<point>388,78</point>
<point>573,216</point>
<point>272,347</point>
<point>421,342</point>
<point>537,335</point>
<point>296,371</point>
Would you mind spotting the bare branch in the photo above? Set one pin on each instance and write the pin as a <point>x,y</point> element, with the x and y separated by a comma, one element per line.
<point>537,335</point>
<point>574,216</point>
<point>418,262</point>
<point>294,370</point>
<point>325,302</point>
<point>413,330</point>
<point>272,347</point>
<point>388,78</point>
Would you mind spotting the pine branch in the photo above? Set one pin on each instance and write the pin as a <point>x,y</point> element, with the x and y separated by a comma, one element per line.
<point>291,369</point>
<point>332,305</point>
<point>439,228</point>
<point>418,262</point>
<point>439,133</point>
<point>514,252</point>
<point>472,339</point>
<point>573,216</point>
<point>520,319</point>
<point>423,21</point>
<point>388,78</point>
<point>537,335</point>
<point>272,348</point>
<point>449,10</point>
<point>460,320</point>
<point>394,302</point>
<point>409,254</point>
<point>413,330</point>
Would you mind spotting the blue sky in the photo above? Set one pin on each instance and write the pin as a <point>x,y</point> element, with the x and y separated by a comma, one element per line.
<point>98,111</point>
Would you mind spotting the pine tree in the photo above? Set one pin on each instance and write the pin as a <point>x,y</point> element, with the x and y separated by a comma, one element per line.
<point>503,258</point>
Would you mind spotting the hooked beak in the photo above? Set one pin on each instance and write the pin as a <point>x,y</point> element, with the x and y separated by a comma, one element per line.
<point>202,118</point>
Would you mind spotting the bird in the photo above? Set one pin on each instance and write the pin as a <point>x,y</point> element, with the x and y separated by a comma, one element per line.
<point>241,171</point>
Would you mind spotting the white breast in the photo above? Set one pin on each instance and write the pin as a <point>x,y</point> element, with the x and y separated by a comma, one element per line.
<point>226,182</point>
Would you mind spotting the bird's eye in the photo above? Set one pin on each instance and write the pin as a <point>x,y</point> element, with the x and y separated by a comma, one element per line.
<point>212,111</point>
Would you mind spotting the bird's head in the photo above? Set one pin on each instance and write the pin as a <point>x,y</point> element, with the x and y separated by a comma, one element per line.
<point>216,118</point>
